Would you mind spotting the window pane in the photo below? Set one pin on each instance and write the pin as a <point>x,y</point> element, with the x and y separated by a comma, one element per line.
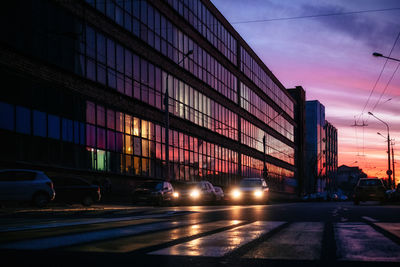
<point>101,138</point>
<point>6,116</point>
<point>90,113</point>
<point>67,130</point>
<point>110,119</point>
<point>119,120</point>
<point>54,126</point>
<point>110,140</point>
<point>23,122</point>
<point>39,123</point>
<point>101,116</point>
<point>90,135</point>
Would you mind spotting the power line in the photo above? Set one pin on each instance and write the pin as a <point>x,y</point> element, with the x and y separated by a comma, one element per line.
<point>379,77</point>
<point>387,84</point>
<point>317,16</point>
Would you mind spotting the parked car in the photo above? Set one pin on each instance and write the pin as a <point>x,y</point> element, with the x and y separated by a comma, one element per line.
<point>369,189</point>
<point>394,194</point>
<point>74,189</point>
<point>251,190</point>
<point>219,193</point>
<point>157,192</point>
<point>26,185</point>
<point>195,192</point>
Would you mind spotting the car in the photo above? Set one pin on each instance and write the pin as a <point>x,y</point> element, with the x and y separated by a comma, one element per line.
<point>253,190</point>
<point>75,189</point>
<point>195,192</point>
<point>19,185</point>
<point>219,193</point>
<point>157,192</point>
<point>394,194</point>
<point>369,189</point>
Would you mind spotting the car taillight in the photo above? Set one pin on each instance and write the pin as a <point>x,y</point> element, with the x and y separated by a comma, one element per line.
<point>98,189</point>
<point>50,184</point>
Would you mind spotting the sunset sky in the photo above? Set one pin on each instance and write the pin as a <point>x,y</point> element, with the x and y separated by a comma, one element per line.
<point>331,57</point>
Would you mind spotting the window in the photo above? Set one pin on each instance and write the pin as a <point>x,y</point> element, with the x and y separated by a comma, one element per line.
<point>67,130</point>
<point>6,116</point>
<point>39,123</point>
<point>54,126</point>
<point>90,113</point>
<point>23,122</point>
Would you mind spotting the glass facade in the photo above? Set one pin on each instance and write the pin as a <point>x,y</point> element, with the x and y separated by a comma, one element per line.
<point>147,23</point>
<point>254,104</point>
<point>99,135</point>
<point>198,15</point>
<point>120,143</point>
<point>278,178</point>
<point>252,136</point>
<point>256,73</point>
<point>315,146</point>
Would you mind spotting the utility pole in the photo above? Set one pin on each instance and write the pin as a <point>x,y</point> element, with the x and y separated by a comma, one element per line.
<point>394,178</point>
<point>389,171</point>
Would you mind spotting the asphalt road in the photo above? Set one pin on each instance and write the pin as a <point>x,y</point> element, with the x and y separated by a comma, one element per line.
<point>305,234</point>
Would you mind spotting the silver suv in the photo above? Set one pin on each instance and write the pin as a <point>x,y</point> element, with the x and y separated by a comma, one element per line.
<point>26,185</point>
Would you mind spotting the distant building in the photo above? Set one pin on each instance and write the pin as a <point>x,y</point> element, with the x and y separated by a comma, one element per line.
<point>347,177</point>
<point>299,95</point>
<point>315,170</point>
<point>331,155</point>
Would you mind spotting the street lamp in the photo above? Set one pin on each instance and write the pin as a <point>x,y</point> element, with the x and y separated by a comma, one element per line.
<point>393,167</point>
<point>166,112</point>
<point>375,54</point>
<point>389,171</point>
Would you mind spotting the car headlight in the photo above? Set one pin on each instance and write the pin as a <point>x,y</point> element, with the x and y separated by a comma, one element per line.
<point>258,193</point>
<point>195,193</point>
<point>236,193</point>
<point>175,194</point>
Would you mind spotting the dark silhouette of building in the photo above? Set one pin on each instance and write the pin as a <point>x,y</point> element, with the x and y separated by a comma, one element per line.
<point>299,95</point>
<point>347,178</point>
<point>315,147</point>
<point>331,156</point>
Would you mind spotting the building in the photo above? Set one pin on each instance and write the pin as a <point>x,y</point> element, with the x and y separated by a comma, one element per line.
<point>331,156</point>
<point>315,147</point>
<point>299,96</point>
<point>86,83</point>
<point>347,178</point>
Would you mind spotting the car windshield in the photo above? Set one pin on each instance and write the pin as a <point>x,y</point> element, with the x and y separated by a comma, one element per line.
<point>250,183</point>
<point>152,185</point>
<point>370,182</point>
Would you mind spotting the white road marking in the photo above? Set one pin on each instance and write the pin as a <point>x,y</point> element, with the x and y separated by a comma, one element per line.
<point>83,222</point>
<point>74,239</point>
<point>369,219</point>
<point>219,244</point>
<point>360,242</point>
<point>298,241</point>
<point>393,228</point>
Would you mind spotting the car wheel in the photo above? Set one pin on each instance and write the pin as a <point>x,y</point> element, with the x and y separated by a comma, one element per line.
<point>87,201</point>
<point>40,200</point>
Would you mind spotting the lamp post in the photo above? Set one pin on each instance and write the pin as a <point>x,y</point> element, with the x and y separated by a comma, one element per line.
<point>393,168</point>
<point>389,171</point>
<point>166,113</point>
<point>375,54</point>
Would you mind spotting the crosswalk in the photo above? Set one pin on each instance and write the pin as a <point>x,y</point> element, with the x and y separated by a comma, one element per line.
<point>369,241</point>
